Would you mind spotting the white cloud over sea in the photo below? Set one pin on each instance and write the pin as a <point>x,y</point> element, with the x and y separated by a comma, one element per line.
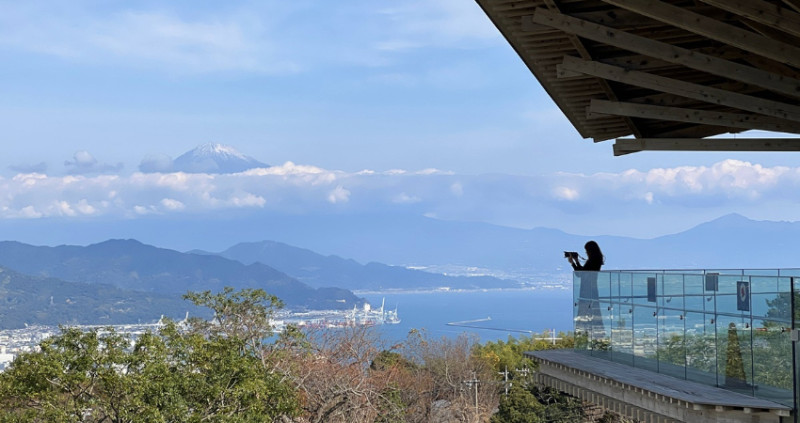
<point>724,187</point>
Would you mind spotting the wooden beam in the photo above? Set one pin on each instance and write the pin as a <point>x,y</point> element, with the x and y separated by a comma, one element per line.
<point>669,53</point>
<point>701,117</point>
<point>763,12</point>
<point>584,52</point>
<point>713,29</point>
<point>624,146</point>
<point>794,4</point>
<point>684,89</point>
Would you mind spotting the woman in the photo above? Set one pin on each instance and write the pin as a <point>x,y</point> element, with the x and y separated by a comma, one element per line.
<point>594,258</point>
<point>589,319</point>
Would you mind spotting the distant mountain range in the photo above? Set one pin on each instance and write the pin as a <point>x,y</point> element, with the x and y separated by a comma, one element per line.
<point>319,271</point>
<point>731,241</point>
<point>114,269</point>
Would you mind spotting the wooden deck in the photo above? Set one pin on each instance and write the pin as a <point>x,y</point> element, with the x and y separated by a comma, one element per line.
<point>657,393</point>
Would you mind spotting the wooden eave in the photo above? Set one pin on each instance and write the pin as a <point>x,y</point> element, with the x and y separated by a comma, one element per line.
<point>703,67</point>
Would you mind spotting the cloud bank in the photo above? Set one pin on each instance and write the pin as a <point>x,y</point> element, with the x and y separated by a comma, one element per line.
<point>559,200</point>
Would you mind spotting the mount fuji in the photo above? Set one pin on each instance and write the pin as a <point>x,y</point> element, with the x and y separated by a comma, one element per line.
<point>215,158</point>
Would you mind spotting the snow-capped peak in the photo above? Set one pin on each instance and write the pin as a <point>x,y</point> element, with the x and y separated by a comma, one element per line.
<point>211,149</point>
<point>215,158</point>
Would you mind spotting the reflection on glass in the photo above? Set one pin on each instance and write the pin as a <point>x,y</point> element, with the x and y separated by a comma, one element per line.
<point>692,326</point>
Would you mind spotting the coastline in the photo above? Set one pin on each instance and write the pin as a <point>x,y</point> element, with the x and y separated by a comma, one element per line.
<point>446,289</point>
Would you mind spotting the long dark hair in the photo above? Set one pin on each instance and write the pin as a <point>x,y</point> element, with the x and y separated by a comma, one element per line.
<point>594,253</point>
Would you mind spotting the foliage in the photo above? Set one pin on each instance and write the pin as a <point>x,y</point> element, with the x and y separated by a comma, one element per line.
<point>233,368</point>
<point>533,404</point>
<point>178,374</point>
<point>510,355</point>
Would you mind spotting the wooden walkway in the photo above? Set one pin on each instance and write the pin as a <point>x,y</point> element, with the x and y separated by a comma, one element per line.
<point>610,379</point>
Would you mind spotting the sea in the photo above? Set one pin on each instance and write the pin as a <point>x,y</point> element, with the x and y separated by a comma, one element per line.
<point>489,315</point>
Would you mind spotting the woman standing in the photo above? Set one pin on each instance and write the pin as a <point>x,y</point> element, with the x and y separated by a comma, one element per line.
<point>594,258</point>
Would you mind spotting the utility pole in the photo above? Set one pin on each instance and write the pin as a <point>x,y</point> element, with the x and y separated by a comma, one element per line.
<point>505,379</point>
<point>474,383</point>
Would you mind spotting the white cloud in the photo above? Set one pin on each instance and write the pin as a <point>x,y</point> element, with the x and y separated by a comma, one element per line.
<point>160,38</point>
<point>269,37</point>
<point>565,193</point>
<point>457,189</point>
<point>156,163</point>
<point>83,163</point>
<point>404,198</point>
<point>677,193</point>
<point>172,204</point>
<point>339,195</point>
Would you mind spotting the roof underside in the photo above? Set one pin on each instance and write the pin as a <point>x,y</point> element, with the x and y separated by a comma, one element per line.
<point>664,75</point>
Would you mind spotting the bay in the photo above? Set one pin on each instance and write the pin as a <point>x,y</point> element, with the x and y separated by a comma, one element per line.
<point>490,314</point>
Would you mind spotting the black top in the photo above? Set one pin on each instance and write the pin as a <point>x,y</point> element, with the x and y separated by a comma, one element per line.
<point>592,264</point>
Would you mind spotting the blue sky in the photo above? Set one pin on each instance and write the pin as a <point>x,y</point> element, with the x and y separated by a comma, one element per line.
<point>417,105</point>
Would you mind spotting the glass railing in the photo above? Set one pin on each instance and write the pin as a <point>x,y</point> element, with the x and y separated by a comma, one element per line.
<point>731,329</point>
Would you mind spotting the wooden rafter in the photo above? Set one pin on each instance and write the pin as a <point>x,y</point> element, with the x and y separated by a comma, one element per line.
<point>624,146</point>
<point>679,114</point>
<point>713,29</point>
<point>684,89</point>
<point>669,72</point>
<point>669,53</point>
<point>578,44</point>
<point>762,12</point>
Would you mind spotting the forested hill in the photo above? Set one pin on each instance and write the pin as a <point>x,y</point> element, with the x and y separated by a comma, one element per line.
<point>131,265</point>
<point>34,300</point>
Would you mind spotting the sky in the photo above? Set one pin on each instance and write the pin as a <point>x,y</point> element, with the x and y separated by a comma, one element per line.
<point>413,106</point>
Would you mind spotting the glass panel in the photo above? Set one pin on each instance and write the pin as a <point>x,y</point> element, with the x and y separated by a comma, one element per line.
<point>639,288</point>
<point>693,284</point>
<point>772,361</point>
<point>582,314</point>
<point>762,284</point>
<point>795,304</point>
<point>734,354</point>
<point>761,272</point>
<point>695,325</point>
<point>603,284</point>
<point>726,304</point>
<point>645,337</point>
<point>701,351</point>
<point>775,306</point>
<point>671,291</point>
<point>622,335</point>
<point>698,303</point>
<point>671,346</point>
<point>601,330</point>
<point>727,284</point>
<point>790,272</point>
<point>626,287</point>
<point>784,284</point>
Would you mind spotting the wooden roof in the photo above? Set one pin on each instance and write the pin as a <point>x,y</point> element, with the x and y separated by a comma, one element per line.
<point>664,75</point>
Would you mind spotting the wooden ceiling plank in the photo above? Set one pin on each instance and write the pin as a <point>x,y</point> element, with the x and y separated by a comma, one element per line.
<point>583,52</point>
<point>713,29</point>
<point>624,146</point>
<point>684,89</point>
<point>669,53</point>
<point>762,12</point>
<point>701,117</point>
<point>794,4</point>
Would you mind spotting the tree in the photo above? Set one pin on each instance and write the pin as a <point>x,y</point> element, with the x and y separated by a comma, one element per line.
<point>217,372</point>
<point>532,404</point>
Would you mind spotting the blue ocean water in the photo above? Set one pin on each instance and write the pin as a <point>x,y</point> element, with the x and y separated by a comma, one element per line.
<point>509,312</point>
